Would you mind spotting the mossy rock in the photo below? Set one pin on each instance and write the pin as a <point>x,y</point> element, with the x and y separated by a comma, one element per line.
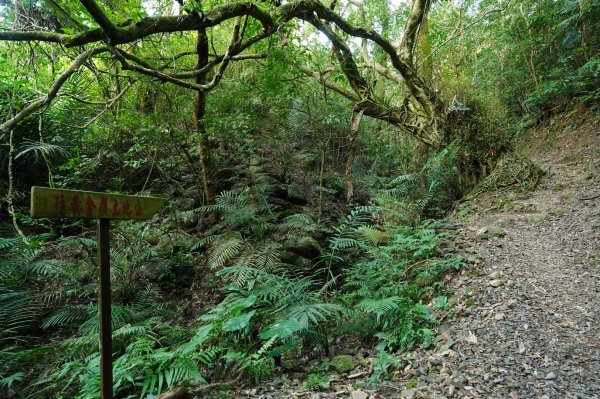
<point>425,279</point>
<point>343,363</point>
<point>188,219</point>
<point>335,184</point>
<point>304,246</point>
<point>496,231</point>
<point>296,260</point>
<point>296,194</point>
<point>172,242</point>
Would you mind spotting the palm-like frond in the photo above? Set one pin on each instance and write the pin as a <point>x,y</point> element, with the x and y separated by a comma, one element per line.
<point>37,151</point>
<point>308,314</point>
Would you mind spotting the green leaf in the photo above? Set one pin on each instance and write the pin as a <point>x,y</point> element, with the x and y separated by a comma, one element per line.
<point>283,329</point>
<point>238,322</point>
<point>291,344</point>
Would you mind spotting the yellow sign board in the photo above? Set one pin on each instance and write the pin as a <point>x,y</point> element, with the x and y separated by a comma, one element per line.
<point>59,203</point>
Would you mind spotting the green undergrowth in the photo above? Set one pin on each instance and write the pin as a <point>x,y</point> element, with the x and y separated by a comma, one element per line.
<point>376,278</point>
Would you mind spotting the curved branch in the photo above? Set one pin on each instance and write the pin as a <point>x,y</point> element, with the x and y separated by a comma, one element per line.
<point>122,56</point>
<point>47,99</point>
<point>42,36</point>
<point>98,15</point>
<point>301,9</point>
<point>377,67</point>
<point>217,59</point>
<point>346,60</point>
<point>320,78</point>
<point>148,26</point>
<point>411,29</point>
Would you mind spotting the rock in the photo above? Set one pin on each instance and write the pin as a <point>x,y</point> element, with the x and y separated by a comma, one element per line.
<point>469,302</point>
<point>304,246</point>
<point>188,219</point>
<point>225,179</point>
<point>451,389</point>
<point>179,393</point>
<point>335,184</point>
<point>225,174</point>
<point>358,395</point>
<point>453,299</point>
<point>186,204</point>
<point>343,363</point>
<point>471,338</point>
<point>497,231</point>
<point>495,275</point>
<point>292,258</point>
<point>409,393</point>
<point>551,375</point>
<point>496,283</point>
<point>499,316</point>
<point>171,242</point>
<point>296,194</point>
<point>278,190</point>
<point>448,345</point>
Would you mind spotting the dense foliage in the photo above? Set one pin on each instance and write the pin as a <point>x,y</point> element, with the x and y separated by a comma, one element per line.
<point>292,220</point>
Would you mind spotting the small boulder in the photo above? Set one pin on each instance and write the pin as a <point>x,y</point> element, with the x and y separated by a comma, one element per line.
<point>296,194</point>
<point>496,283</point>
<point>179,393</point>
<point>292,258</point>
<point>335,183</point>
<point>496,231</point>
<point>343,363</point>
<point>186,204</point>
<point>188,219</point>
<point>304,246</point>
<point>359,395</point>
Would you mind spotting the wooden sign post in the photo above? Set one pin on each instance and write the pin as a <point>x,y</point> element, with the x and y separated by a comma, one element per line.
<point>58,203</point>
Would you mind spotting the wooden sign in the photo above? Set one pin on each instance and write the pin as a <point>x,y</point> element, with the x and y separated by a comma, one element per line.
<point>58,203</point>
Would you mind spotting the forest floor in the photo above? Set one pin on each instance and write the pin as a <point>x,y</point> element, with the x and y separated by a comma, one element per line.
<point>526,323</point>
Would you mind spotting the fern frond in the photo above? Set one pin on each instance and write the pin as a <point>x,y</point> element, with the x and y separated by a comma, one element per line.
<point>69,314</point>
<point>379,307</point>
<point>343,243</point>
<point>224,251</point>
<point>372,235</point>
<point>203,242</point>
<point>298,221</point>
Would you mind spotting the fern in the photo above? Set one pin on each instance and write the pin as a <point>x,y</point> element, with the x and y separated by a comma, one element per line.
<point>298,222</point>
<point>201,243</point>
<point>225,250</point>
<point>379,307</point>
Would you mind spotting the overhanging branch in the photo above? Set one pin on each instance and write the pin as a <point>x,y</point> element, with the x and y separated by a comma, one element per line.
<point>98,15</point>
<point>47,99</point>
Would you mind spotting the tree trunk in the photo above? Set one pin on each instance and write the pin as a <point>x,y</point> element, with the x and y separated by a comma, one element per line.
<point>425,62</point>
<point>199,113</point>
<point>356,118</point>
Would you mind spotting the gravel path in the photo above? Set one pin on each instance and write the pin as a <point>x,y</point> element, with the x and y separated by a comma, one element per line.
<point>528,323</point>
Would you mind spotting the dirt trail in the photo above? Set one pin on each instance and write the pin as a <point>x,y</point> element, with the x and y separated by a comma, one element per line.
<point>528,323</point>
